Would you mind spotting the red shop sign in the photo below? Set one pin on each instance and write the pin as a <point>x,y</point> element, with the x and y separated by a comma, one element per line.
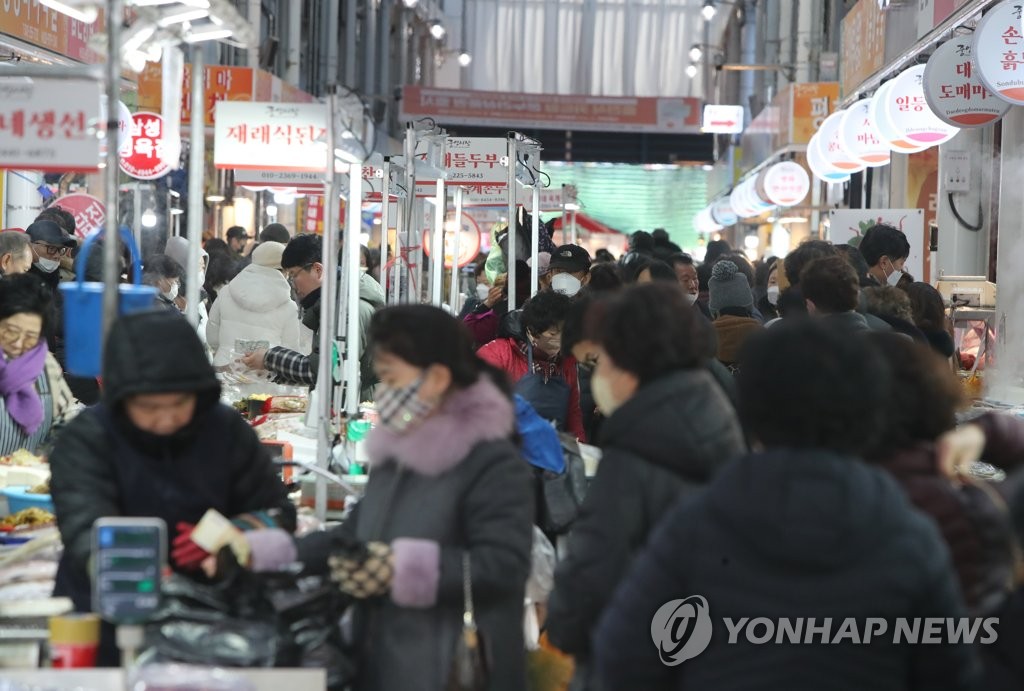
<point>89,212</point>
<point>154,152</point>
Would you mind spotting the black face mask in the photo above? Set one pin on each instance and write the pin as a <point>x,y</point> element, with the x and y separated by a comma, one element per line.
<point>163,445</point>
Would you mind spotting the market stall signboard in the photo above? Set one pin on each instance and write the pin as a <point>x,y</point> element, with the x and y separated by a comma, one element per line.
<point>832,151</point>
<point>999,52</point>
<point>469,241</point>
<point>89,212</point>
<point>49,124</point>
<point>909,112</point>
<point>786,183</point>
<point>154,151</point>
<point>879,114</point>
<point>820,168</point>
<point>954,90</point>
<point>271,136</point>
<point>722,213</point>
<point>859,137</point>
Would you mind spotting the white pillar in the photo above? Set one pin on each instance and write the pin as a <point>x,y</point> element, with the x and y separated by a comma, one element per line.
<point>21,198</point>
<point>963,252</point>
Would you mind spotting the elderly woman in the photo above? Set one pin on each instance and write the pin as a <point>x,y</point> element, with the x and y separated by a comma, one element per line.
<point>34,395</point>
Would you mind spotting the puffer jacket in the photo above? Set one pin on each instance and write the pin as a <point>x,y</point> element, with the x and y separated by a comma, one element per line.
<point>256,305</point>
<point>787,534</point>
<point>662,444</point>
<point>457,484</point>
<point>102,465</point>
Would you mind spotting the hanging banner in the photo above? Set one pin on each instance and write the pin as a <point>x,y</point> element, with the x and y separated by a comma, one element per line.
<point>49,124</point>
<point>786,183</point>
<point>89,212</point>
<point>999,52</point>
<point>879,115</point>
<point>863,43</point>
<point>834,154</point>
<point>154,152</point>
<point>909,112</point>
<point>847,226</point>
<point>271,136</point>
<point>812,103</point>
<point>859,137</point>
<point>821,168</point>
<point>955,92</point>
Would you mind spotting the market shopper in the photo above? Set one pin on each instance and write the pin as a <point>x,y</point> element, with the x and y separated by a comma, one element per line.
<point>686,272</point>
<point>668,428</point>
<point>15,252</point>
<point>238,240</point>
<point>485,321</point>
<point>159,444</point>
<point>177,249</point>
<point>447,489</point>
<point>568,269</point>
<point>885,249</point>
<point>801,528</point>
<point>831,290</point>
<point>535,365</point>
<point>891,306</point>
<point>920,410</point>
<point>256,305</point>
<point>34,399</point>
<point>657,270</point>
<point>929,313</point>
<point>50,244</point>
<point>732,308</point>
<point>164,274</point>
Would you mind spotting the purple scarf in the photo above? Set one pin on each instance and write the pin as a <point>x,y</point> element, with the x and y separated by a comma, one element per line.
<point>17,386</point>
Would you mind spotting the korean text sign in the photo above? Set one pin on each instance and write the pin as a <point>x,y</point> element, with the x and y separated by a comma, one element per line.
<point>271,136</point>
<point>49,125</point>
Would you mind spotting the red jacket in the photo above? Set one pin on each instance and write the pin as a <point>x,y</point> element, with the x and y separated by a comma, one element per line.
<point>504,353</point>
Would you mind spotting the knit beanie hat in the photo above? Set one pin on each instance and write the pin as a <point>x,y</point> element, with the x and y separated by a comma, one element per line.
<point>728,287</point>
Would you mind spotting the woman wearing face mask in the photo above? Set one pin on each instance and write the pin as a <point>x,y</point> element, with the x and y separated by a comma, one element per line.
<point>669,427</point>
<point>535,365</point>
<point>164,274</point>
<point>448,489</point>
<point>768,288</point>
<point>33,395</point>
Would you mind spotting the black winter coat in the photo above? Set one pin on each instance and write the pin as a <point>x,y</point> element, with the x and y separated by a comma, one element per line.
<point>458,481</point>
<point>103,466</point>
<point>789,534</point>
<point>663,443</point>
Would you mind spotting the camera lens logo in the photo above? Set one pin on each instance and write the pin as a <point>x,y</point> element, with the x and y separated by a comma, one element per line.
<point>681,629</point>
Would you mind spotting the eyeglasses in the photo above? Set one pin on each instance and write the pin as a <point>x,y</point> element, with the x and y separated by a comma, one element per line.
<point>11,335</point>
<point>291,274</point>
<point>52,250</point>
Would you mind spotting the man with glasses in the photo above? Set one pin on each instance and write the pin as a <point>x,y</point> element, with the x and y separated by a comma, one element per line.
<point>15,253</point>
<point>301,263</point>
<point>49,244</point>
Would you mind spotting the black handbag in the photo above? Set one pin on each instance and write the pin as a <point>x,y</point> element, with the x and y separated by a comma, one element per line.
<point>470,669</point>
<point>562,494</point>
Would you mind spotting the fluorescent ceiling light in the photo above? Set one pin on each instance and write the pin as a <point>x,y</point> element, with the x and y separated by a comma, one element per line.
<point>696,53</point>
<point>215,198</point>
<point>182,17</point>
<point>153,3</point>
<point>437,29</point>
<point>207,35</point>
<point>83,13</point>
<point>410,3</point>
<point>794,219</point>
<point>148,219</point>
<point>572,207</point>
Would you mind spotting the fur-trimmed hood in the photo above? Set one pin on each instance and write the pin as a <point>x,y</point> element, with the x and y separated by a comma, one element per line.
<point>479,413</point>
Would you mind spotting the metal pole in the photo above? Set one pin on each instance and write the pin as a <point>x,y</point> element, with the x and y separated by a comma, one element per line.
<point>510,259</point>
<point>329,258</point>
<point>111,273</point>
<point>457,233</point>
<point>575,230</point>
<point>351,34</point>
<point>409,214</point>
<point>196,173</point>
<point>437,246</point>
<point>385,215</point>
<point>353,275</point>
<point>396,284</point>
<point>535,241</point>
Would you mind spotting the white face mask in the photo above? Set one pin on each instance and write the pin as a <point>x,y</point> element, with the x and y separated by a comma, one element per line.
<point>202,278</point>
<point>482,291</point>
<point>566,284</point>
<point>773,295</point>
<point>603,396</point>
<point>47,265</point>
<point>692,298</point>
<point>894,278</point>
<point>172,293</point>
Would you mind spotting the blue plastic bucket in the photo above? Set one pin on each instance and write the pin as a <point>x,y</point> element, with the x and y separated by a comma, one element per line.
<point>83,309</point>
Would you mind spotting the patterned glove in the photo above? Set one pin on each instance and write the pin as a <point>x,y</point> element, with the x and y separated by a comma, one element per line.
<point>365,571</point>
